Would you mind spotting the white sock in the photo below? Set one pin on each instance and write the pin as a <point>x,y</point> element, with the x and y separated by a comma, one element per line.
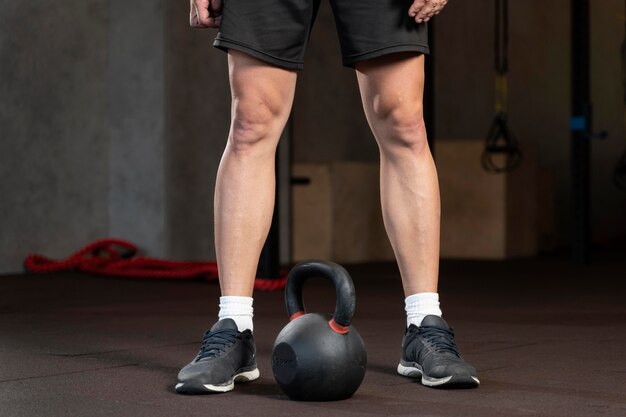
<point>239,309</point>
<point>420,305</point>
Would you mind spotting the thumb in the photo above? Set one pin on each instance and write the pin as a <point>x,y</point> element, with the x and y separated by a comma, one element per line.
<point>202,7</point>
<point>193,16</point>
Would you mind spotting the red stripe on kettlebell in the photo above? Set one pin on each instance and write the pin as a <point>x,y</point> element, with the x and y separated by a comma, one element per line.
<point>338,328</point>
<point>296,315</point>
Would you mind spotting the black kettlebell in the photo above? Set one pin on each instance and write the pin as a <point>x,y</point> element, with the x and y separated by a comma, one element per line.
<point>318,357</point>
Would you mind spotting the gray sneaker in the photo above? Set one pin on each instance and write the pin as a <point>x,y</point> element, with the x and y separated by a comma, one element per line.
<point>429,352</point>
<point>226,356</point>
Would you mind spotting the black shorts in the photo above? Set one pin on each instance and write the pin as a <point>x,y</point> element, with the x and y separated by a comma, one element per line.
<point>277,31</point>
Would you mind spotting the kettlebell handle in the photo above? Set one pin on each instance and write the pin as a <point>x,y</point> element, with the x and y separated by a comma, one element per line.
<point>344,287</point>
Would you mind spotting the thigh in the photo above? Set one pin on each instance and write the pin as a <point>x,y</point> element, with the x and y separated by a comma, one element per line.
<point>391,83</point>
<point>259,89</point>
<point>371,28</point>
<point>275,31</point>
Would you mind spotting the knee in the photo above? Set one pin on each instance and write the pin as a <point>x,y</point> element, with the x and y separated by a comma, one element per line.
<point>403,128</point>
<point>253,126</point>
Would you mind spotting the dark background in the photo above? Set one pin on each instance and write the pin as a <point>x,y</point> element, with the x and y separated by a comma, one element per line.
<point>114,114</point>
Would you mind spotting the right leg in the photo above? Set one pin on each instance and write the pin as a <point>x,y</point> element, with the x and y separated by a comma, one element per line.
<point>262,96</point>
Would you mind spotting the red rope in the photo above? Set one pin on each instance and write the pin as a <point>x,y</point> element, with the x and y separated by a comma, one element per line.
<point>116,257</point>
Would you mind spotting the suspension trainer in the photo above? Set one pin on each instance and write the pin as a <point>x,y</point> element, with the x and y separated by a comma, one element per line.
<point>500,140</point>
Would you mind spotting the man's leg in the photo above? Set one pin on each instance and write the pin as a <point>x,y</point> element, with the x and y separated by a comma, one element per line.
<point>262,96</point>
<point>392,90</point>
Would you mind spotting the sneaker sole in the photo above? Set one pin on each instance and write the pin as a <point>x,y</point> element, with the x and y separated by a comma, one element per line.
<point>191,388</point>
<point>452,381</point>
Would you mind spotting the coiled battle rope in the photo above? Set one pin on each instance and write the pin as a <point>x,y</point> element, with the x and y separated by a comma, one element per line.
<point>117,257</point>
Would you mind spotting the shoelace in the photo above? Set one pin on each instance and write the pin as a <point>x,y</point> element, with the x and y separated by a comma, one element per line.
<point>442,340</point>
<point>213,343</point>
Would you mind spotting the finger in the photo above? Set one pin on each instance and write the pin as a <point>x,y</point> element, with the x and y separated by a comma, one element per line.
<point>194,20</point>
<point>434,12</point>
<point>202,9</point>
<point>416,7</point>
<point>192,13</point>
<point>429,15</point>
<point>428,8</point>
<point>215,22</point>
<point>440,5</point>
<point>193,17</point>
<point>426,12</point>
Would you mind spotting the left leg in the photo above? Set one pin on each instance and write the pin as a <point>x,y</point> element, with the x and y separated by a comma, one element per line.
<point>385,49</point>
<point>391,90</point>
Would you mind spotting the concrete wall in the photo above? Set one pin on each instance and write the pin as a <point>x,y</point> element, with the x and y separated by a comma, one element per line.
<point>137,109</point>
<point>53,127</point>
<point>104,131</point>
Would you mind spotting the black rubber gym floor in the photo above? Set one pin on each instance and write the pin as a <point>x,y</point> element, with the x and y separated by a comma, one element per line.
<point>548,339</point>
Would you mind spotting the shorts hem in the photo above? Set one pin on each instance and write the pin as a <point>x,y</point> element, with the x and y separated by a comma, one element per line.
<point>351,60</point>
<point>225,44</point>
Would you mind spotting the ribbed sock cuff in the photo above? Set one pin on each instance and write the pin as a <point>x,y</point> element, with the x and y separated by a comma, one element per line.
<point>239,309</point>
<point>418,306</point>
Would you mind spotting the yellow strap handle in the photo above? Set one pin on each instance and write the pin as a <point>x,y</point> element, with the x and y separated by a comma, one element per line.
<point>502,93</point>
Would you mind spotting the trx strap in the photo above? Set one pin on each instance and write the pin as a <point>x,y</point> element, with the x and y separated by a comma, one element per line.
<point>500,140</point>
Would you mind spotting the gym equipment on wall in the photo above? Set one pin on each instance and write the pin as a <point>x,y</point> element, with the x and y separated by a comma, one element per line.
<point>500,140</point>
<point>314,358</point>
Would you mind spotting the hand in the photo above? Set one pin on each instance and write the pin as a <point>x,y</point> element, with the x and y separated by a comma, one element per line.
<point>205,13</point>
<point>423,10</point>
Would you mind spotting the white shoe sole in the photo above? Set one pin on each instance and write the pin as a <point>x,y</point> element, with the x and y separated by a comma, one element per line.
<point>456,380</point>
<point>229,386</point>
